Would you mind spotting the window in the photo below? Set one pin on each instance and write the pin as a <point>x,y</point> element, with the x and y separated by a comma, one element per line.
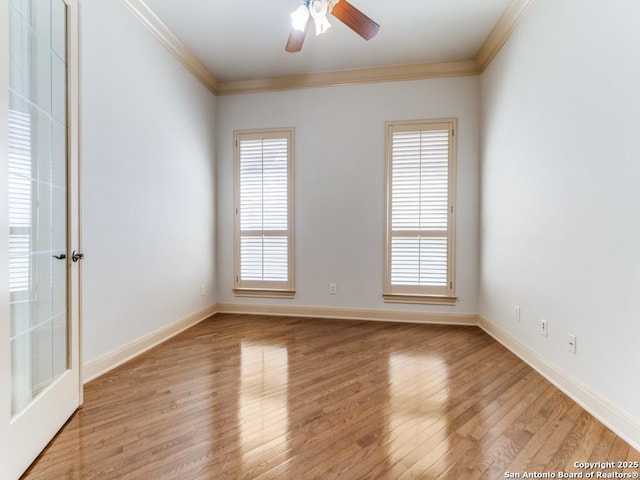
<point>419,230</point>
<point>20,202</point>
<point>264,213</point>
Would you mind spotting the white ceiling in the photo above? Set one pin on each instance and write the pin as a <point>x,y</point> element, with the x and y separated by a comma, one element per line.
<point>245,39</point>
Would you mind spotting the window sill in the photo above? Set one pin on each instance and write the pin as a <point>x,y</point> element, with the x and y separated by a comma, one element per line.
<point>421,299</point>
<point>264,293</point>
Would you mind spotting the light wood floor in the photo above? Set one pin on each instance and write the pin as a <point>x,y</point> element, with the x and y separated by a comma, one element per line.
<point>279,398</point>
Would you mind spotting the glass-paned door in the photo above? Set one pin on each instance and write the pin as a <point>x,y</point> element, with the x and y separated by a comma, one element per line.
<point>41,225</point>
<point>37,198</point>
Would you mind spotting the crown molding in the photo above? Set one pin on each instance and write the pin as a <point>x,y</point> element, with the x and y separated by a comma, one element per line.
<point>501,32</point>
<point>392,73</point>
<point>141,11</point>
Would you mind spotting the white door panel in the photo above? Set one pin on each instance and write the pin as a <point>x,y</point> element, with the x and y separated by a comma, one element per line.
<point>39,336</point>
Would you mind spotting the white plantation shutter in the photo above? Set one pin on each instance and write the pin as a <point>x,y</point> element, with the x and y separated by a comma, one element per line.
<point>420,170</point>
<point>263,210</point>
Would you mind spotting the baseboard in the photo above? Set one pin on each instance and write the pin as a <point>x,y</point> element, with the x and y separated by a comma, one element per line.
<point>468,319</point>
<point>111,360</point>
<point>619,422</point>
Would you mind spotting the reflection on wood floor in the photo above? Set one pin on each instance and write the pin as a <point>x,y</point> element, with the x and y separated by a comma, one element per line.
<point>279,398</point>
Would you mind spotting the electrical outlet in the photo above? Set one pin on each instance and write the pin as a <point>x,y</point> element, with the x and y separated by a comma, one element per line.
<point>516,315</point>
<point>202,290</point>
<point>333,289</point>
<point>544,330</point>
<point>572,343</point>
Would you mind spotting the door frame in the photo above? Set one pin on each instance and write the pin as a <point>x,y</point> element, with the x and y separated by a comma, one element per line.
<point>25,435</point>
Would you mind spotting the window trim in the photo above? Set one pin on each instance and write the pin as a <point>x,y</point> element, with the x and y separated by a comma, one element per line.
<point>408,294</point>
<point>264,288</point>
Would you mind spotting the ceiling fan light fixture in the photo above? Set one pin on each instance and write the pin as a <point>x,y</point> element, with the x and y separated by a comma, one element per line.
<point>318,8</point>
<point>322,25</point>
<point>299,18</point>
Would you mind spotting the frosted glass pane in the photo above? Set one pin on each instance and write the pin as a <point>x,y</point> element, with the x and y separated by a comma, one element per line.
<point>44,227</point>
<point>41,18</point>
<point>59,351</point>
<point>59,154</point>
<point>42,345</point>
<point>59,28</point>
<point>41,81</point>
<point>59,223</point>
<point>21,379</point>
<point>58,286</point>
<point>19,48</point>
<point>41,145</point>
<point>23,7</point>
<point>42,287</point>
<point>58,85</point>
<point>21,307</point>
<point>22,106</point>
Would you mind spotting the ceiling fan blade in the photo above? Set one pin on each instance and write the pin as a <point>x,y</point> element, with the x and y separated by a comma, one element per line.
<point>296,39</point>
<point>355,19</point>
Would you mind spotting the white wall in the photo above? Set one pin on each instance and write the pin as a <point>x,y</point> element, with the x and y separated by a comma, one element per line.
<point>148,210</point>
<point>561,191</point>
<point>339,184</point>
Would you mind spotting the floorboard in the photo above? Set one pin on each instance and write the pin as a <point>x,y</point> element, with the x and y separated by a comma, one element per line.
<point>261,397</point>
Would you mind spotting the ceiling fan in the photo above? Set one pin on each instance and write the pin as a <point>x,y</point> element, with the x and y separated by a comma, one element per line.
<point>318,11</point>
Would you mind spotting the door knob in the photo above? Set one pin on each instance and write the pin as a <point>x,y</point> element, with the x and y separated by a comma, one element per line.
<point>75,256</point>
<point>62,256</point>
